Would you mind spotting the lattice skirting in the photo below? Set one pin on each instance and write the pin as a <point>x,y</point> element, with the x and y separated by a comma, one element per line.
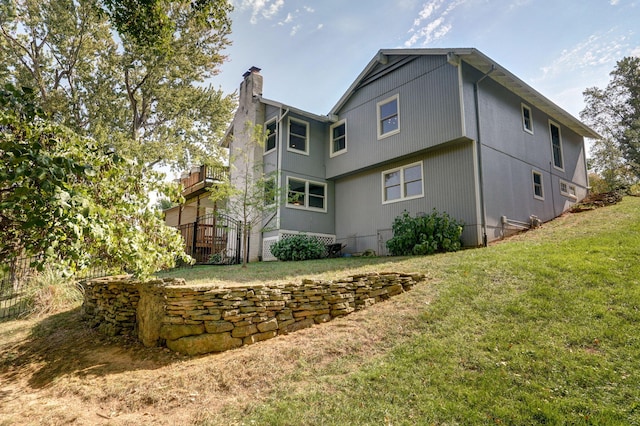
<point>267,256</point>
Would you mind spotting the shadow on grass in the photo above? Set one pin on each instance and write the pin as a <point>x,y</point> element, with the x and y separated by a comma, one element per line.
<point>63,345</point>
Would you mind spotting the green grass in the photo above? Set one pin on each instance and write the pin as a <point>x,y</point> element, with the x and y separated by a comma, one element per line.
<point>278,272</point>
<point>541,329</point>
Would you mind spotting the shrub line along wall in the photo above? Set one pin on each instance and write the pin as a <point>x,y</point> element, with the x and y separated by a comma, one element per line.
<point>201,319</point>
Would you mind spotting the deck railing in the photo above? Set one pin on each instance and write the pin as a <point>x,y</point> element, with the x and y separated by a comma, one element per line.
<point>204,174</point>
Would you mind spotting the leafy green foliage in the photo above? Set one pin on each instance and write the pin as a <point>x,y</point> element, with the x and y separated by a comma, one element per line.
<point>298,247</point>
<point>50,290</point>
<point>143,92</point>
<point>64,197</point>
<point>428,234</point>
<point>615,113</point>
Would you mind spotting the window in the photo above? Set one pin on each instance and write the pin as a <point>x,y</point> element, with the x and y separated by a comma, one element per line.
<point>298,135</point>
<point>556,145</point>
<point>403,183</point>
<point>567,189</point>
<point>338,138</point>
<point>304,194</point>
<point>388,117</point>
<point>271,132</point>
<point>538,191</point>
<point>527,120</point>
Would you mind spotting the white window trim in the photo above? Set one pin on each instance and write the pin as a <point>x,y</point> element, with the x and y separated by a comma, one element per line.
<point>333,153</point>
<point>533,184</point>
<point>306,145</point>
<point>553,160</point>
<point>524,127</point>
<point>306,195</point>
<point>571,190</point>
<point>381,135</point>
<point>265,133</point>
<point>401,169</point>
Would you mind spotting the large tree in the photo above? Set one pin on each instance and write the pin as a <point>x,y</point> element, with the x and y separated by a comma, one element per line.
<point>67,200</point>
<point>133,74</point>
<point>615,113</point>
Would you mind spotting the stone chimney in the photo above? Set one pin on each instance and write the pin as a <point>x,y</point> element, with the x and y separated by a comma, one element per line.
<point>251,86</point>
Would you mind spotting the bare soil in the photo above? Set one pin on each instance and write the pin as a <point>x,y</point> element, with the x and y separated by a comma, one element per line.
<point>55,370</point>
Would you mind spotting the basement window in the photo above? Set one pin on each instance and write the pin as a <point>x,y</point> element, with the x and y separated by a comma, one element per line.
<point>568,190</point>
<point>538,187</point>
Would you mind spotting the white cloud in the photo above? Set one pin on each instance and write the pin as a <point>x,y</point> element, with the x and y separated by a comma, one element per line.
<point>614,2</point>
<point>266,9</point>
<point>294,30</point>
<point>431,23</point>
<point>287,20</point>
<point>598,50</point>
<point>320,26</point>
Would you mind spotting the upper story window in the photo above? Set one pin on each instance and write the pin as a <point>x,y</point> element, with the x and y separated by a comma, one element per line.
<point>556,145</point>
<point>538,187</point>
<point>298,136</point>
<point>338,138</point>
<point>403,183</point>
<point>271,132</point>
<point>304,194</point>
<point>388,117</point>
<point>527,119</point>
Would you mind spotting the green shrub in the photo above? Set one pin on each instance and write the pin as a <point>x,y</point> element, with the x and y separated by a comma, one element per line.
<point>50,291</point>
<point>436,232</point>
<point>298,247</point>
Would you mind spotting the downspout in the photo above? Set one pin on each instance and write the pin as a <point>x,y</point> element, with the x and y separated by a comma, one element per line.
<point>479,148</point>
<point>279,161</point>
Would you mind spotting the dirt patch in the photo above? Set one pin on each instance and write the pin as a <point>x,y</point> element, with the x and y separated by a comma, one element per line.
<point>57,371</point>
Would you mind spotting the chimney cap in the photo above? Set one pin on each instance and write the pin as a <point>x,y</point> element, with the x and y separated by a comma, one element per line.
<point>252,70</point>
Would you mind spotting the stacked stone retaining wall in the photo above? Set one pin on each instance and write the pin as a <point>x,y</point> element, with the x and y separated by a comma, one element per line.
<point>197,320</point>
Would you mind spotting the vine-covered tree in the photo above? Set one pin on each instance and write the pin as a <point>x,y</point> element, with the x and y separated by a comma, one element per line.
<point>143,92</point>
<point>73,203</point>
<point>615,113</point>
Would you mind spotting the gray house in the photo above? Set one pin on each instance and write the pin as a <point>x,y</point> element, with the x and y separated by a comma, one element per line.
<point>419,129</point>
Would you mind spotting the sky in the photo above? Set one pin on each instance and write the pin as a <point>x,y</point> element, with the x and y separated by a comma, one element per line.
<point>310,51</point>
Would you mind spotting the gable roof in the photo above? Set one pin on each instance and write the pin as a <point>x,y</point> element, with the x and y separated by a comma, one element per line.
<point>386,60</point>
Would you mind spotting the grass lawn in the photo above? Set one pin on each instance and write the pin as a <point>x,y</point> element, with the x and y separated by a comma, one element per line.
<point>542,328</point>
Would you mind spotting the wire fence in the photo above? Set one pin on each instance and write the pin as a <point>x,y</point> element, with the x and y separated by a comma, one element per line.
<point>15,277</point>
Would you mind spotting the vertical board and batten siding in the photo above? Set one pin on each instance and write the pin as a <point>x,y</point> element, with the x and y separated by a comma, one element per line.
<point>429,114</point>
<point>510,154</point>
<point>448,176</point>
<point>307,167</point>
